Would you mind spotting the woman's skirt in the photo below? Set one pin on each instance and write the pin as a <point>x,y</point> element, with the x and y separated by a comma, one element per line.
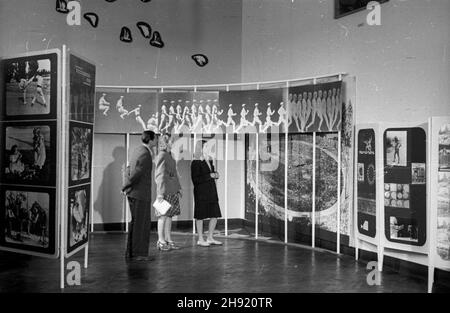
<point>204,210</point>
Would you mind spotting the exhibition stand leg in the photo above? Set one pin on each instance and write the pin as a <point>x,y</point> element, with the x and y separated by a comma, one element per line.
<point>226,184</point>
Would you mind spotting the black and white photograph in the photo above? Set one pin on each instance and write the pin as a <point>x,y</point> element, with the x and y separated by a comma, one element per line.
<point>29,153</point>
<point>82,90</point>
<point>444,148</point>
<point>418,173</point>
<point>78,217</point>
<point>315,108</point>
<point>254,111</point>
<point>269,148</point>
<point>30,87</point>
<point>28,219</point>
<point>396,147</point>
<point>80,153</point>
<point>404,229</point>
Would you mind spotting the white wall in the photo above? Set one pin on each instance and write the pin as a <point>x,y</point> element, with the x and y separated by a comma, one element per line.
<point>402,67</point>
<point>211,27</point>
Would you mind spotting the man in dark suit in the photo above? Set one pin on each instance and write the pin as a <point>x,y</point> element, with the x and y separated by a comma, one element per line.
<point>137,187</point>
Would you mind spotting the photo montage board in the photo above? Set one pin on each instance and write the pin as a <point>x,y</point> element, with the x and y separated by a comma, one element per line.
<point>29,217</point>
<point>405,186</point>
<point>81,116</point>
<point>366,178</point>
<point>252,111</point>
<point>315,108</point>
<point>125,113</point>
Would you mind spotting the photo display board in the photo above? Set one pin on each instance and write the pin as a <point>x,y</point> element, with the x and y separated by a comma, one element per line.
<point>29,141</point>
<point>366,178</point>
<point>405,185</point>
<point>81,117</point>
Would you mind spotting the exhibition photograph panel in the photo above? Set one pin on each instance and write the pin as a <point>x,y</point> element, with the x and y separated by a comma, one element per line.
<point>29,153</point>
<point>78,216</point>
<point>366,176</point>
<point>125,112</point>
<point>443,196</point>
<point>30,87</point>
<point>28,219</point>
<point>405,186</point>
<point>82,90</point>
<point>80,152</point>
<point>315,108</point>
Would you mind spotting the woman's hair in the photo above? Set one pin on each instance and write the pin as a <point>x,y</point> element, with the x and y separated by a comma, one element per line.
<point>163,142</point>
<point>14,148</point>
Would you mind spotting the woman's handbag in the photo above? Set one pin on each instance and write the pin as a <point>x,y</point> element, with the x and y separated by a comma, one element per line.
<point>162,206</point>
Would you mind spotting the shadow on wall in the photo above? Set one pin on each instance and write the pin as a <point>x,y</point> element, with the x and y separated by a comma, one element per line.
<point>108,205</point>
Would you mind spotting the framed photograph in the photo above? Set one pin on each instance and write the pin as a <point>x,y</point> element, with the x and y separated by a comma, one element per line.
<point>444,148</point>
<point>29,153</point>
<point>28,220</point>
<point>361,172</point>
<point>80,161</point>
<point>404,229</point>
<point>30,87</point>
<point>396,147</point>
<point>78,217</point>
<point>346,7</point>
<point>418,174</point>
<point>82,90</point>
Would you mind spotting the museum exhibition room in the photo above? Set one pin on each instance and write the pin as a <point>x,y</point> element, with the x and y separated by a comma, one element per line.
<point>225,146</point>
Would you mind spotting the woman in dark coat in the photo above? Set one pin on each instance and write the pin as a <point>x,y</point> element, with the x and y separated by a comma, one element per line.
<point>206,201</point>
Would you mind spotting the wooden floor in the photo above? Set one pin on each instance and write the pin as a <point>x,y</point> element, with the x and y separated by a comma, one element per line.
<point>240,265</point>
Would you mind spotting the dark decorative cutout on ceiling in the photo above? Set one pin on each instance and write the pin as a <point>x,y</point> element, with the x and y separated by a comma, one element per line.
<point>92,18</point>
<point>200,59</point>
<point>145,29</point>
<point>125,35</point>
<point>156,40</point>
<point>61,6</point>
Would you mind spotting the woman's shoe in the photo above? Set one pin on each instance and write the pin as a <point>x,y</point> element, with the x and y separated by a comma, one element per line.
<point>172,245</point>
<point>202,243</point>
<point>162,246</point>
<point>214,242</point>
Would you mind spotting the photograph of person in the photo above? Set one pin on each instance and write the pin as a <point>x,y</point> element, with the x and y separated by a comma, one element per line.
<point>28,83</point>
<point>80,153</point>
<point>396,148</point>
<point>27,218</point>
<point>28,151</point>
<point>78,217</point>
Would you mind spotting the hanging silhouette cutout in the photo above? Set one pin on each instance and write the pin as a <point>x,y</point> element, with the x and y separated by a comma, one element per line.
<point>125,35</point>
<point>92,18</point>
<point>61,6</point>
<point>156,40</point>
<point>200,59</point>
<point>145,29</point>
